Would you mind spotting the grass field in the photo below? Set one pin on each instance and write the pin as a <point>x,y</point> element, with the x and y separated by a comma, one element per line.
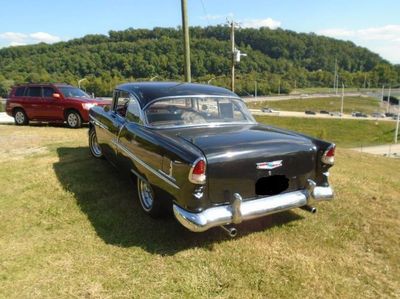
<point>362,104</point>
<point>344,132</point>
<point>71,226</point>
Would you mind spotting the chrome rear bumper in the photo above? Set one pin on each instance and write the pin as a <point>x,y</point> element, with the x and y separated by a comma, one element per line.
<point>239,210</point>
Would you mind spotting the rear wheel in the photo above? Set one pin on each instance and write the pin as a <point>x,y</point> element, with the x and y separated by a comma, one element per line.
<point>73,119</point>
<point>94,145</point>
<point>150,203</point>
<point>20,117</point>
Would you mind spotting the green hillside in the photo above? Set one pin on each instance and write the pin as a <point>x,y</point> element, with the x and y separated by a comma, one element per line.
<point>276,59</point>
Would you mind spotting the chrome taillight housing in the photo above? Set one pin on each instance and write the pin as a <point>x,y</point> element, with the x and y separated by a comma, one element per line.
<point>197,173</point>
<point>329,155</point>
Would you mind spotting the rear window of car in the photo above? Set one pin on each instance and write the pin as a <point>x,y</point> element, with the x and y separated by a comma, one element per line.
<point>19,92</point>
<point>34,92</point>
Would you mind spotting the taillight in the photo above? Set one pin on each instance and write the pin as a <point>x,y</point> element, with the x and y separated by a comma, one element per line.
<point>329,155</point>
<point>197,174</point>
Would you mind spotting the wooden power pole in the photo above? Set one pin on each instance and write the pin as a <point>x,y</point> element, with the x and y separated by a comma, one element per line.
<point>185,29</point>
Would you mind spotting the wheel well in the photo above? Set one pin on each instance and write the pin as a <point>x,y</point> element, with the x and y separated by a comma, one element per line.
<point>66,111</point>
<point>16,109</point>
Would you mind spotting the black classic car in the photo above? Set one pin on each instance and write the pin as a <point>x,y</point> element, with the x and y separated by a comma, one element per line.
<point>196,148</point>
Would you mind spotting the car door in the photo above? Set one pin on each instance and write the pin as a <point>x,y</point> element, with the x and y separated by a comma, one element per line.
<point>52,106</point>
<point>138,148</point>
<point>114,122</point>
<point>33,102</point>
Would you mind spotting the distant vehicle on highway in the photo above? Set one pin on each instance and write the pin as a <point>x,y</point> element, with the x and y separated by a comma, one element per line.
<point>389,114</point>
<point>358,114</point>
<point>378,115</point>
<point>310,112</point>
<point>50,102</point>
<point>269,110</point>
<point>335,113</point>
<point>324,112</point>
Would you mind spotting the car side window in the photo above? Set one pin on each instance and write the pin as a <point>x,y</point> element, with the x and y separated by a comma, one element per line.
<point>133,111</point>
<point>48,92</point>
<point>34,92</point>
<point>121,102</point>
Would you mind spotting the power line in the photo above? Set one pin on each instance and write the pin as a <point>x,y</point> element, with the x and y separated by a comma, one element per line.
<point>205,12</point>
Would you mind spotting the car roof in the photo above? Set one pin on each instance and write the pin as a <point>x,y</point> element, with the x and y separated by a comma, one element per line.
<point>43,84</point>
<point>149,91</point>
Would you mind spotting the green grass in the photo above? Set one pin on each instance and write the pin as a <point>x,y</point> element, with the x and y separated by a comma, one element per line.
<point>362,104</point>
<point>311,90</point>
<point>343,132</point>
<point>71,226</point>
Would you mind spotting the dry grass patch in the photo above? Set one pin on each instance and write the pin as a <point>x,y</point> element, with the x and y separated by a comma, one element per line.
<point>72,227</point>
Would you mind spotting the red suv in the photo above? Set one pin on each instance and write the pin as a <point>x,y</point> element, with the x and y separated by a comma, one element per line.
<point>50,102</point>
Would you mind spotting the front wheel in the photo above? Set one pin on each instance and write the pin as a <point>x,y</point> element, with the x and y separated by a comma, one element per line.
<point>150,203</point>
<point>73,119</point>
<point>20,118</point>
<point>94,145</point>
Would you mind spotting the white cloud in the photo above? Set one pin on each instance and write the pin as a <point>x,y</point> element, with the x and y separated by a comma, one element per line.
<point>13,36</point>
<point>45,37</point>
<point>19,39</point>
<point>384,40</point>
<point>258,23</point>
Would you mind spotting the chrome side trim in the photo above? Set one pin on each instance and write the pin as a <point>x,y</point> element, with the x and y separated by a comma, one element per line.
<point>144,164</point>
<point>98,123</point>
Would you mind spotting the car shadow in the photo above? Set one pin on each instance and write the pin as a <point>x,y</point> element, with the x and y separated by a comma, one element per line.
<point>109,200</point>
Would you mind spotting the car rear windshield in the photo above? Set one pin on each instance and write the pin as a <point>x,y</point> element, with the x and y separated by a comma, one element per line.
<point>73,92</point>
<point>189,111</point>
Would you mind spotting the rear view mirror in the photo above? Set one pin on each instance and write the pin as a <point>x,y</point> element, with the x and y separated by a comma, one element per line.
<point>56,95</point>
<point>106,108</point>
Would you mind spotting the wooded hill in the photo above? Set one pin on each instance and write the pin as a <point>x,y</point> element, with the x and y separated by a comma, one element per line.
<point>277,59</point>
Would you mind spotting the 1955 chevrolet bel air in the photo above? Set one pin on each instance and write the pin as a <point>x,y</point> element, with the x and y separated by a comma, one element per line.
<point>197,147</point>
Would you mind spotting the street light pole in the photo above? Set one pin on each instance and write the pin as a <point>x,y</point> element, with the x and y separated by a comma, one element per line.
<point>341,106</point>
<point>79,82</point>
<point>233,56</point>
<point>388,100</point>
<point>185,29</point>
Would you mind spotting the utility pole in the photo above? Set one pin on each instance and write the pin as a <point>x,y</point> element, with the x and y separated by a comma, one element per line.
<point>279,87</point>
<point>233,56</point>
<point>388,100</point>
<point>255,89</point>
<point>397,123</point>
<point>383,90</point>
<point>341,106</point>
<point>334,76</point>
<point>185,29</point>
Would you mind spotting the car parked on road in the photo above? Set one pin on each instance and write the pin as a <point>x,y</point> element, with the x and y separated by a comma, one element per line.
<point>51,103</point>
<point>335,113</point>
<point>309,112</point>
<point>196,148</point>
<point>324,112</point>
<point>269,110</point>
<point>358,114</point>
<point>378,115</point>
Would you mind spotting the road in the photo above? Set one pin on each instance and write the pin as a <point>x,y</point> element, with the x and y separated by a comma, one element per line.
<point>318,115</point>
<point>388,150</point>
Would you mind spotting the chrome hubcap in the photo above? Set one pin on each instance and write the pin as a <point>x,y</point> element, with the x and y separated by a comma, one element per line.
<point>19,117</point>
<point>146,195</point>
<point>96,149</point>
<point>72,119</point>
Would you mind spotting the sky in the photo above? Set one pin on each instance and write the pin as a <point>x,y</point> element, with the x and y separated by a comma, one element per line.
<point>369,23</point>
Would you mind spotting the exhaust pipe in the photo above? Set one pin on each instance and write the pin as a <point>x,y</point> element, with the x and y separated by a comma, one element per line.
<point>231,231</point>
<point>310,209</point>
